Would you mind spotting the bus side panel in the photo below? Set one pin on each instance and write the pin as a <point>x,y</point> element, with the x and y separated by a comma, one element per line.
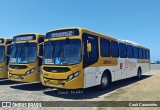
<point>130,67</point>
<point>144,64</point>
<point>92,75</point>
<point>4,71</point>
<point>125,68</point>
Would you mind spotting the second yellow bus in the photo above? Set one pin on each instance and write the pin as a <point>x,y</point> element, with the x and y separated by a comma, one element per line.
<point>24,64</point>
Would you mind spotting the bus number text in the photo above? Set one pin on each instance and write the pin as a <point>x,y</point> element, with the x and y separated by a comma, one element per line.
<point>106,61</point>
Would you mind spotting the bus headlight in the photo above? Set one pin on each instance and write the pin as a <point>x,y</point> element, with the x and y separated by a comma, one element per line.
<point>33,70</point>
<point>1,68</point>
<point>72,76</point>
<point>30,71</point>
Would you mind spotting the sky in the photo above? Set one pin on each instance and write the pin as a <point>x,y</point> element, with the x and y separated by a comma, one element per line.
<point>134,20</point>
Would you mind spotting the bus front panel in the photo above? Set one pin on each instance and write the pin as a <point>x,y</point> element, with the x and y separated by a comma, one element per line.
<point>24,72</point>
<point>62,77</point>
<point>24,64</point>
<point>3,70</point>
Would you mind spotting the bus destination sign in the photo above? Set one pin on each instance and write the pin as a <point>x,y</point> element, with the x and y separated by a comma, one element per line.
<point>62,33</point>
<point>24,38</point>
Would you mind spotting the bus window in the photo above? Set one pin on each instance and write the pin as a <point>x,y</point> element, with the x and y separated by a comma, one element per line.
<point>105,47</point>
<point>9,42</point>
<point>130,51</point>
<point>140,53</point>
<point>114,49</point>
<point>147,54</point>
<point>135,51</point>
<point>144,54</point>
<point>122,50</point>
<point>2,55</point>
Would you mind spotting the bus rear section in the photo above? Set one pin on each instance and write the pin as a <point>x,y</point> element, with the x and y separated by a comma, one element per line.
<point>24,64</point>
<point>4,56</point>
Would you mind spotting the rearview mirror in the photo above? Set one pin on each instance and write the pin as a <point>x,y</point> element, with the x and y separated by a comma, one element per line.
<point>89,47</point>
<point>40,50</point>
<point>8,50</point>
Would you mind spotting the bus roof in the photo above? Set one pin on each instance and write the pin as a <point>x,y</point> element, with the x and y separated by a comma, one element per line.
<point>132,43</point>
<point>65,28</point>
<point>102,35</point>
<point>28,33</point>
<point>6,38</point>
<point>83,30</point>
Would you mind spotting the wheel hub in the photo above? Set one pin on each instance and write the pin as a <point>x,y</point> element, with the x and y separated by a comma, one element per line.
<point>105,81</point>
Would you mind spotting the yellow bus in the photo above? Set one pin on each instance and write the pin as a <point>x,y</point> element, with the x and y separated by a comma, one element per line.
<point>4,58</point>
<point>78,58</point>
<point>24,64</point>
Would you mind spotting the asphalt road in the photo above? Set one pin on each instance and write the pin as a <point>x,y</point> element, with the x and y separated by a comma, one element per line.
<point>14,91</point>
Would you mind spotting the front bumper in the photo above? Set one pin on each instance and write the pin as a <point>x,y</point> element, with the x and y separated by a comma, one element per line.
<point>3,74</point>
<point>75,83</point>
<point>34,77</point>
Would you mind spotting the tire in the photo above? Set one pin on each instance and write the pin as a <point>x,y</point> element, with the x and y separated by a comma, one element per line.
<point>139,74</point>
<point>105,82</point>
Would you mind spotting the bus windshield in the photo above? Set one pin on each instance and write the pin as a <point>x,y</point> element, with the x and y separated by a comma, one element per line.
<point>2,53</point>
<point>24,53</point>
<point>62,52</point>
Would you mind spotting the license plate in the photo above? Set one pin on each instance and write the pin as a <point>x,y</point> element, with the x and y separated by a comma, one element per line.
<point>15,77</point>
<point>53,82</point>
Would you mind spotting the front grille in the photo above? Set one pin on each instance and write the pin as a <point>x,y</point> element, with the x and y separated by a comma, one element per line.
<point>18,66</point>
<point>56,69</point>
<point>55,79</point>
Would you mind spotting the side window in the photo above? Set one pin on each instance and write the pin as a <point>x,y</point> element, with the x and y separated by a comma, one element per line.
<point>140,53</point>
<point>135,49</point>
<point>130,51</point>
<point>114,49</point>
<point>40,40</point>
<point>148,54</point>
<point>122,50</point>
<point>90,58</point>
<point>105,47</point>
<point>144,54</point>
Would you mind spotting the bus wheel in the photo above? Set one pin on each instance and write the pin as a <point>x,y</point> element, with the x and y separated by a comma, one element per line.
<point>105,82</point>
<point>139,74</point>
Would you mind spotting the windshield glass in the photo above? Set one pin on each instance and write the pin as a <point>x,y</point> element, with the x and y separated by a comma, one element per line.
<point>2,52</point>
<point>23,53</point>
<point>62,52</point>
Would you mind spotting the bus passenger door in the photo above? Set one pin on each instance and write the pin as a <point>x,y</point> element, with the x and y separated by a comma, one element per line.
<point>90,57</point>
